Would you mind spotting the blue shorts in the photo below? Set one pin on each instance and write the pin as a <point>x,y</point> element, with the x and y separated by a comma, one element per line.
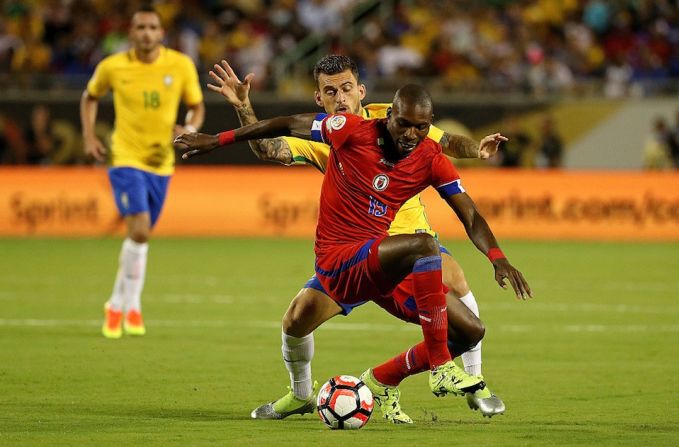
<point>138,191</point>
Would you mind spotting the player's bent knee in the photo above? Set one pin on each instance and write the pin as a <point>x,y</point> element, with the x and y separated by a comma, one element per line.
<point>308,310</point>
<point>477,332</point>
<point>294,322</point>
<point>140,237</point>
<point>425,245</point>
<point>453,277</point>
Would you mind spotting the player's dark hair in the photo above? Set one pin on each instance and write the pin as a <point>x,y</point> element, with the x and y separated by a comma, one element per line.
<point>333,64</point>
<point>414,94</point>
<point>145,7</point>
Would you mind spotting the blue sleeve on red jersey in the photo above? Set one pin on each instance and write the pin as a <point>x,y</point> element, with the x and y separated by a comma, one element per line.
<point>445,178</point>
<point>449,189</point>
<point>316,134</point>
<point>336,129</point>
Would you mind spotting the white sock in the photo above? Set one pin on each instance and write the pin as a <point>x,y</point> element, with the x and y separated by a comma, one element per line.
<point>116,300</point>
<point>133,266</point>
<point>297,355</point>
<point>472,358</point>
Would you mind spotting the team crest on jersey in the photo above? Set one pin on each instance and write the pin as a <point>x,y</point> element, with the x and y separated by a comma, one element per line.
<point>380,182</point>
<point>167,80</point>
<point>336,122</point>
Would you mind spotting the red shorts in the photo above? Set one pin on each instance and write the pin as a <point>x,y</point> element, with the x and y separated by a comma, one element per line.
<point>352,274</point>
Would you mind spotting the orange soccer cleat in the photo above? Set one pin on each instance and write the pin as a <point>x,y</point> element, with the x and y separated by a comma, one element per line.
<point>112,327</point>
<point>134,323</point>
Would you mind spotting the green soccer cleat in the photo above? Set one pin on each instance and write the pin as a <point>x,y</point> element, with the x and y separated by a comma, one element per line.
<point>286,406</point>
<point>485,401</point>
<point>387,398</point>
<point>451,379</point>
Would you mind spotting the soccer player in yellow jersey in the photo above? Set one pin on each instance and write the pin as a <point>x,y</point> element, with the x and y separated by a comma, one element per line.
<point>339,91</point>
<point>148,83</point>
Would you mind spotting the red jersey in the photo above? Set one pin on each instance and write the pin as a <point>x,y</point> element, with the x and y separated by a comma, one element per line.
<point>362,188</point>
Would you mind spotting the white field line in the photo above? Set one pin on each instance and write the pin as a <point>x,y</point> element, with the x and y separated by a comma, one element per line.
<point>355,327</point>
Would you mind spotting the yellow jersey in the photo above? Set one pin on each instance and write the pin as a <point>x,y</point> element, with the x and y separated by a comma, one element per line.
<point>146,100</point>
<point>411,218</point>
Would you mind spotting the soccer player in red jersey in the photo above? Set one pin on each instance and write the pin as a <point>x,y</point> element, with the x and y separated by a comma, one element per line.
<point>374,167</point>
<point>339,90</point>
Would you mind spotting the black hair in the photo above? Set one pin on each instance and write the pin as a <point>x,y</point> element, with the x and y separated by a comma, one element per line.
<point>333,64</point>
<point>146,7</point>
<point>414,94</point>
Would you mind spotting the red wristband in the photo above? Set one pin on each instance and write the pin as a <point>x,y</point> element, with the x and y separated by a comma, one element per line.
<point>226,137</point>
<point>495,254</point>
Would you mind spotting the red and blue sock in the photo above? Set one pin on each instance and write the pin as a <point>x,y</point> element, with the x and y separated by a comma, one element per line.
<point>432,308</point>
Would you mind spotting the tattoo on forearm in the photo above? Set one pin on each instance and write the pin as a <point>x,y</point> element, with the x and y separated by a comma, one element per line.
<point>274,149</point>
<point>246,114</point>
<point>459,146</point>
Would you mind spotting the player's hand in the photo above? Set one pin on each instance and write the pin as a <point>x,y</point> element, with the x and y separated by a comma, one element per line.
<point>95,148</point>
<point>505,271</point>
<point>490,144</point>
<point>194,143</point>
<point>229,86</point>
<point>179,129</point>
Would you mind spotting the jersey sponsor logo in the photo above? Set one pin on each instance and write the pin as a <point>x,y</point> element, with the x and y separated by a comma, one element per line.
<point>167,80</point>
<point>380,182</point>
<point>336,122</point>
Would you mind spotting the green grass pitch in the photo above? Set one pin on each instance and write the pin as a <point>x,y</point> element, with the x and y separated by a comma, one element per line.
<point>592,360</point>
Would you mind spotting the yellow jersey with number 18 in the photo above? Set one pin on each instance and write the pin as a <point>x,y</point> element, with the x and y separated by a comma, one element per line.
<point>411,218</point>
<point>146,100</point>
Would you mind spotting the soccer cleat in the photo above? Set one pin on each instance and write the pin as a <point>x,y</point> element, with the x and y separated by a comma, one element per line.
<point>134,323</point>
<point>387,398</point>
<point>450,378</point>
<point>485,401</point>
<point>112,327</point>
<point>286,406</point>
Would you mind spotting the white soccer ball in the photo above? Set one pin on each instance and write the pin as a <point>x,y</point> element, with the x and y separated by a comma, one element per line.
<point>344,402</point>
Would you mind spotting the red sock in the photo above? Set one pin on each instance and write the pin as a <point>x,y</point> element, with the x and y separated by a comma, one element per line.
<point>431,305</point>
<point>412,361</point>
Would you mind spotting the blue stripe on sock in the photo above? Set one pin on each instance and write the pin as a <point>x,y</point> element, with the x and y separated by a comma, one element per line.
<point>427,264</point>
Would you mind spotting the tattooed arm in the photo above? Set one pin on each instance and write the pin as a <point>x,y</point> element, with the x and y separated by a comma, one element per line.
<point>236,93</point>
<point>270,149</point>
<point>459,146</point>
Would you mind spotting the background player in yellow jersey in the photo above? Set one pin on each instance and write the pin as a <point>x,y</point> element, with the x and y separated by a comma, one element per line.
<point>148,83</point>
<point>339,91</point>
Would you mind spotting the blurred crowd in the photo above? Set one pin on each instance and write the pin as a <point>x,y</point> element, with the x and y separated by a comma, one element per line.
<point>536,47</point>
<point>619,47</point>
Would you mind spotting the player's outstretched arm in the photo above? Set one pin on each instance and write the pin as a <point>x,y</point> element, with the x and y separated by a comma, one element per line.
<point>237,93</point>
<point>459,146</point>
<point>299,126</point>
<point>479,232</point>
